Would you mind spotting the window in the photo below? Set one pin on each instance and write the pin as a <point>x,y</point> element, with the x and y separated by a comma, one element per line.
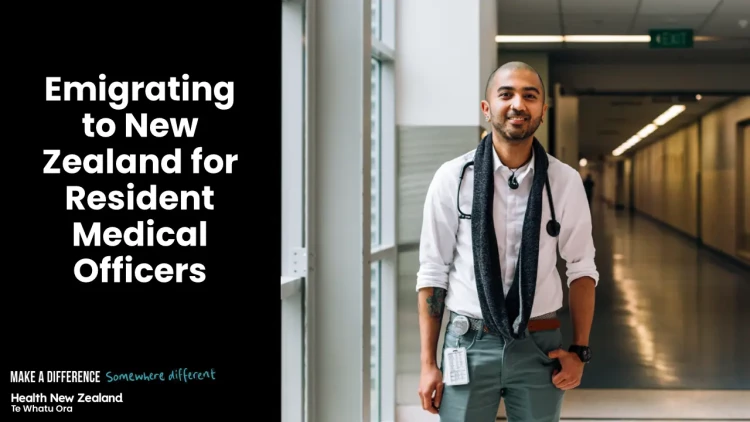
<point>375,233</point>
<point>307,149</point>
<point>375,169</point>
<point>375,19</point>
<point>383,270</point>
<point>375,375</point>
<point>293,268</point>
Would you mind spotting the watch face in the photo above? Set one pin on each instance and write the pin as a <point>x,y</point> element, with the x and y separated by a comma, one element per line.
<point>584,353</point>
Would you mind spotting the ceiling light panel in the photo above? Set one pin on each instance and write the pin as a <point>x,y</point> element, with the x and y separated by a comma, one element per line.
<point>650,128</point>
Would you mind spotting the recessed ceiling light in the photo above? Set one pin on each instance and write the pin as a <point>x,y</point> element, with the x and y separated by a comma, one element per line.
<point>585,38</point>
<point>529,38</point>
<point>650,128</point>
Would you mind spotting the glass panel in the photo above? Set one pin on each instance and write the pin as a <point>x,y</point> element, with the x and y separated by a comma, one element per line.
<point>375,206</point>
<point>375,19</point>
<point>293,81</point>
<point>375,341</point>
<point>744,245</point>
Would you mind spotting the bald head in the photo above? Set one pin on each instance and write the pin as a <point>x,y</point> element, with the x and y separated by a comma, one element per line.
<point>512,66</point>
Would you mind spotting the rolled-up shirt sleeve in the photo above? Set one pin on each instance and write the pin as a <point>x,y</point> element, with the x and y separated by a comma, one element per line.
<point>439,224</point>
<point>576,243</point>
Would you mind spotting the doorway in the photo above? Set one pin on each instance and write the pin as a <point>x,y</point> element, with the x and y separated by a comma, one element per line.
<point>743,190</point>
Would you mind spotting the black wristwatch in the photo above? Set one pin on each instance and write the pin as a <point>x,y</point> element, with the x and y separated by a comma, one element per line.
<point>583,352</point>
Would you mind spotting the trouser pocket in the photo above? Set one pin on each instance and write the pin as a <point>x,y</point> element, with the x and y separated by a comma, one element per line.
<point>545,341</point>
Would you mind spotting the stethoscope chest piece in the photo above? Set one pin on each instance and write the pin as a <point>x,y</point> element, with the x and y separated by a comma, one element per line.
<point>460,325</point>
<point>553,228</point>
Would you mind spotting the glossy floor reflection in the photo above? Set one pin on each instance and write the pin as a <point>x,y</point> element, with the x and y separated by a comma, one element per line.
<point>633,405</point>
<point>669,314</point>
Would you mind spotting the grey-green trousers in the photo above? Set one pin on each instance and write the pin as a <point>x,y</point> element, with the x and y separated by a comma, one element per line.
<point>519,372</point>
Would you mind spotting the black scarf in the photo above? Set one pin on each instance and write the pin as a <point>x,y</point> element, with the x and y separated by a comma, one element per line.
<point>503,316</point>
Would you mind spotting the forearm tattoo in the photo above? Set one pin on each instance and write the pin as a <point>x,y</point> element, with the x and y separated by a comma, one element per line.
<point>436,303</point>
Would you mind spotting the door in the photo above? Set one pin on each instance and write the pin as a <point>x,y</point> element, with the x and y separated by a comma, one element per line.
<point>743,190</point>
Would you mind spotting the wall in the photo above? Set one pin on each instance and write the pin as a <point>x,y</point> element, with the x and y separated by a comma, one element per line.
<point>421,150</point>
<point>668,174</point>
<point>627,185</point>
<point>445,51</point>
<point>649,175</point>
<point>431,70</point>
<point>653,77</point>
<point>617,181</point>
<point>566,128</point>
<point>681,179</point>
<point>488,61</point>
<point>596,169</point>
<point>609,182</point>
<point>719,150</point>
<point>745,232</point>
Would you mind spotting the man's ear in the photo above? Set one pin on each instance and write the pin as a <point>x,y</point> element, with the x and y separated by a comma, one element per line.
<point>485,106</point>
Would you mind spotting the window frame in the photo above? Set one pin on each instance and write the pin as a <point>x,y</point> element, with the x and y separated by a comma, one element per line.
<point>303,301</point>
<point>293,225</point>
<point>385,252</point>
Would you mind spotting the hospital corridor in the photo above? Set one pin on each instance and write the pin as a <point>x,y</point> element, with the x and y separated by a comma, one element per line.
<point>646,101</point>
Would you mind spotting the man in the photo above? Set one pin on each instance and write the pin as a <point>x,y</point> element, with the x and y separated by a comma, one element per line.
<point>588,185</point>
<point>488,254</point>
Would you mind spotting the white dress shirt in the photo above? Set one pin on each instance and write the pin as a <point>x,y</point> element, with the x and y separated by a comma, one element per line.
<point>446,258</point>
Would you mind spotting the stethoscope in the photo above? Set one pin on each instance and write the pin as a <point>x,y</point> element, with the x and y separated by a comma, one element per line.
<point>553,226</point>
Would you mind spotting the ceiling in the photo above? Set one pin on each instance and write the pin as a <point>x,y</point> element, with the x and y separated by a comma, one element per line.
<point>716,18</point>
<point>605,122</point>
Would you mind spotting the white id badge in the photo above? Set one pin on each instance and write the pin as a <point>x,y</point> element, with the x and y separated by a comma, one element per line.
<point>455,366</point>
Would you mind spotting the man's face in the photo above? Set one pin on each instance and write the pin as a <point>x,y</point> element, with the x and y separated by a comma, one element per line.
<point>515,103</point>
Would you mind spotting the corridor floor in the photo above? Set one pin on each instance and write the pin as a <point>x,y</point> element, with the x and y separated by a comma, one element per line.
<point>669,314</point>
<point>670,321</point>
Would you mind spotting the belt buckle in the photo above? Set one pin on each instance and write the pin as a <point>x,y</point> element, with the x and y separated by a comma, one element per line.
<point>460,325</point>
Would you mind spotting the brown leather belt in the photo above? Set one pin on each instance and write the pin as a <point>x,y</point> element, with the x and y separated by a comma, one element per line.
<point>539,325</point>
<point>544,324</point>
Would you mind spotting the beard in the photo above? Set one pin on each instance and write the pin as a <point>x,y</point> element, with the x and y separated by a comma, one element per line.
<point>517,133</point>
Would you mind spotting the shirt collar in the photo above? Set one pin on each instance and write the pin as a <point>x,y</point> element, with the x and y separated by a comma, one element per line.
<point>520,172</point>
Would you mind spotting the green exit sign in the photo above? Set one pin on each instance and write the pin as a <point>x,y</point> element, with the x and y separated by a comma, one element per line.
<point>671,38</point>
